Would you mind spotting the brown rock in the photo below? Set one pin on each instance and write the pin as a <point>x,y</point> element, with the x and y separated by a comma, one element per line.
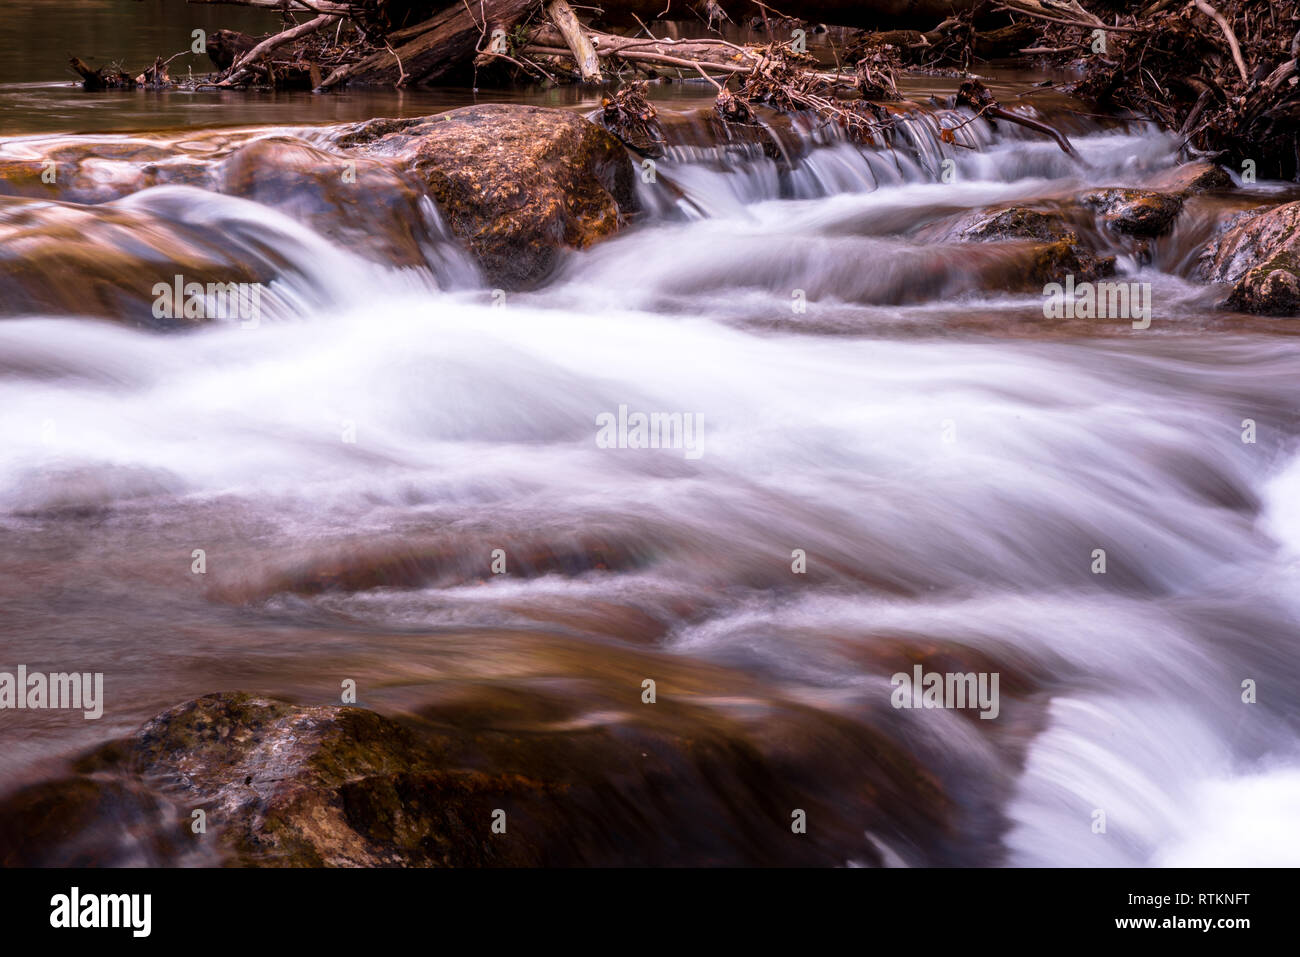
<point>1136,212</point>
<point>1017,222</point>
<point>516,184</point>
<point>1191,178</point>
<point>1051,262</point>
<point>64,258</point>
<point>367,207</point>
<point>585,776</point>
<point>1057,250</point>
<point>280,785</point>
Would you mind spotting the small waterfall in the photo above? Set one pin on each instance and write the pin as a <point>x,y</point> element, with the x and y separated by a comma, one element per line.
<point>873,393</point>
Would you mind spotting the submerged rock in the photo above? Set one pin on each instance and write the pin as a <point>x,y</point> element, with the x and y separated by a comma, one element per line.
<point>516,184</point>
<point>578,771</point>
<point>418,561</point>
<point>88,821</point>
<point>88,170</point>
<point>1259,253</point>
<point>105,261</point>
<point>357,202</point>
<point>1058,250</point>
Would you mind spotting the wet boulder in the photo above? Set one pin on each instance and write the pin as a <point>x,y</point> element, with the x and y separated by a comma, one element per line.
<point>361,203</point>
<point>1259,253</point>
<point>1135,212</point>
<point>1057,248</point>
<point>516,184</point>
<point>106,261</point>
<point>576,771</point>
<point>1190,178</point>
<point>278,785</point>
<point>1053,261</point>
<point>1017,222</point>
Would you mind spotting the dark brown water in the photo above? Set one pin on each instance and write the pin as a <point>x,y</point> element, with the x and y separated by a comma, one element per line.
<point>39,92</point>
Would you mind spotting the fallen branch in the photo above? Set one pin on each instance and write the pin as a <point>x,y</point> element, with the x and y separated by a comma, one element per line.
<point>976,95</point>
<point>105,78</point>
<point>315,6</point>
<point>1231,37</point>
<point>584,54</point>
<point>1086,21</point>
<point>719,56</point>
<point>245,64</point>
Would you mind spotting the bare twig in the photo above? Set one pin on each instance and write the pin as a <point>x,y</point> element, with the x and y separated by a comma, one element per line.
<point>243,66</point>
<point>1228,33</point>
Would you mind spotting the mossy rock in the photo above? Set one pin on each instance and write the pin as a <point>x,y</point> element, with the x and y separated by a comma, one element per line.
<point>1018,222</point>
<point>1259,253</point>
<point>1056,251</point>
<point>585,773</point>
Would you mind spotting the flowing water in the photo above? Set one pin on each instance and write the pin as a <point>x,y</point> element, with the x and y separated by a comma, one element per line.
<point>947,459</point>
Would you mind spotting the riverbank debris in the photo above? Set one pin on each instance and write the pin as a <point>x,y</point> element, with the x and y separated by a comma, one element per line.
<point>1225,76</point>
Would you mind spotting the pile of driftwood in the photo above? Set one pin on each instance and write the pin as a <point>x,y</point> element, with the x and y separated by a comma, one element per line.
<point>412,42</point>
<point>1222,73</point>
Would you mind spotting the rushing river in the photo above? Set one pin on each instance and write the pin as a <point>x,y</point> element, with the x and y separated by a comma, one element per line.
<point>865,392</point>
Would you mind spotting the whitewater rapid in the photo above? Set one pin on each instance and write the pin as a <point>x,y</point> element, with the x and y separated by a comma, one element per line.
<point>944,486</point>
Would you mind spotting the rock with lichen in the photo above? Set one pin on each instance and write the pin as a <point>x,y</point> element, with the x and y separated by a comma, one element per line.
<point>1135,212</point>
<point>516,184</point>
<point>1057,250</point>
<point>278,785</point>
<point>1259,253</point>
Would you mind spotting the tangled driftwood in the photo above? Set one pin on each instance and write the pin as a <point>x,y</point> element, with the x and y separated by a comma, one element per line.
<point>1222,73</point>
<point>1224,77</point>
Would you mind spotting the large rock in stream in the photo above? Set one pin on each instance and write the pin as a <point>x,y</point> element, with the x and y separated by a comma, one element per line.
<point>280,785</point>
<point>692,780</point>
<point>1135,212</point>
<point>516,184</point>
<point>1259,253</point>
<point>1054,245</point>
